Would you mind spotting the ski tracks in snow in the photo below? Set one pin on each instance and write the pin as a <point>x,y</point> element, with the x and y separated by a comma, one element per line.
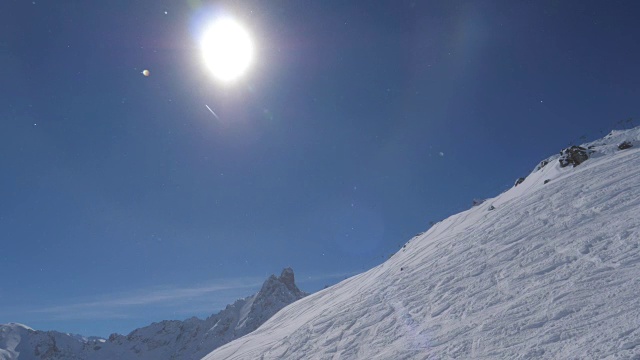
<point>552,272</point>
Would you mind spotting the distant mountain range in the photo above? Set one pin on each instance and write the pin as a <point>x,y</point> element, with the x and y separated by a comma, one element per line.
<point>189,339</point>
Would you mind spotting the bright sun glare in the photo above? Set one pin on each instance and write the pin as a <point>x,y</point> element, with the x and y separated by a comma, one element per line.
<point>227,49</point>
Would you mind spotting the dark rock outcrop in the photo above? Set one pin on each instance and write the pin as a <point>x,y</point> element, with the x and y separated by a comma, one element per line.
<point>625,145</point>
<point>574,155</point>
<point>519,181</point>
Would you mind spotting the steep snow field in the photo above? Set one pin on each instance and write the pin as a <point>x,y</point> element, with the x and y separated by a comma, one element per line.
<point>552,272</point>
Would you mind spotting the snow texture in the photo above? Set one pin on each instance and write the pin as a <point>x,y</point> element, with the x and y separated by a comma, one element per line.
<point>189,339</point>
<point>552,272</point>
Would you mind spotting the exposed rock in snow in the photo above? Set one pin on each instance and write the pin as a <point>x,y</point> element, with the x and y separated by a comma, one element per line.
<point>542,164</point>
<point>189,339</point>
<point>625,145</point>
<point>574,155</point>
<point>518,181</point>
<point>552,273</point>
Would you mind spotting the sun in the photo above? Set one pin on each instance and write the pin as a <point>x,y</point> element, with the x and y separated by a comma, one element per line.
<point>227,49</point>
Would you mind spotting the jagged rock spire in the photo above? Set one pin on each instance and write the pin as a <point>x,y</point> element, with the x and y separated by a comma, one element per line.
<point>287,278</point>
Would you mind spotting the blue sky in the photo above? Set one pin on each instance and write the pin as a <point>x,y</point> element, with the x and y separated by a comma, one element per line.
<point>124,201</point>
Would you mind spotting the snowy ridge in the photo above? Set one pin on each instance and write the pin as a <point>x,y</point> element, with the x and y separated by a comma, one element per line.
<point>546,270</point>
<point>189,339</point>
<point>21,342</point>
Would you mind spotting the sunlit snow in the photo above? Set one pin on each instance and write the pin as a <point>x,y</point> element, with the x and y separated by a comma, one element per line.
<point>552,272</point>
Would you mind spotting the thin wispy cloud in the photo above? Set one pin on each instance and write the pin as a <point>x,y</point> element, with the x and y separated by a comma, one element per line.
<point>124,304</point>
<point>90,314</point>
<point>170,300</point>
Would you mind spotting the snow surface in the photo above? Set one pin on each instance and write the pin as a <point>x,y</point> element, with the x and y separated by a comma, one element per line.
<point>189,339</point>
<point>553,272</point>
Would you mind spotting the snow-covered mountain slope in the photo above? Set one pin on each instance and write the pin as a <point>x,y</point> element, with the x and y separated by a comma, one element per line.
<point>189,339</point>
<point>18,341</point>
<point>546,270</point>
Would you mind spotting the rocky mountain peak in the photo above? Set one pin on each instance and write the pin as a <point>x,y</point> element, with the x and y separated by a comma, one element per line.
<point>288,279</point>
<point>283,286</point>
